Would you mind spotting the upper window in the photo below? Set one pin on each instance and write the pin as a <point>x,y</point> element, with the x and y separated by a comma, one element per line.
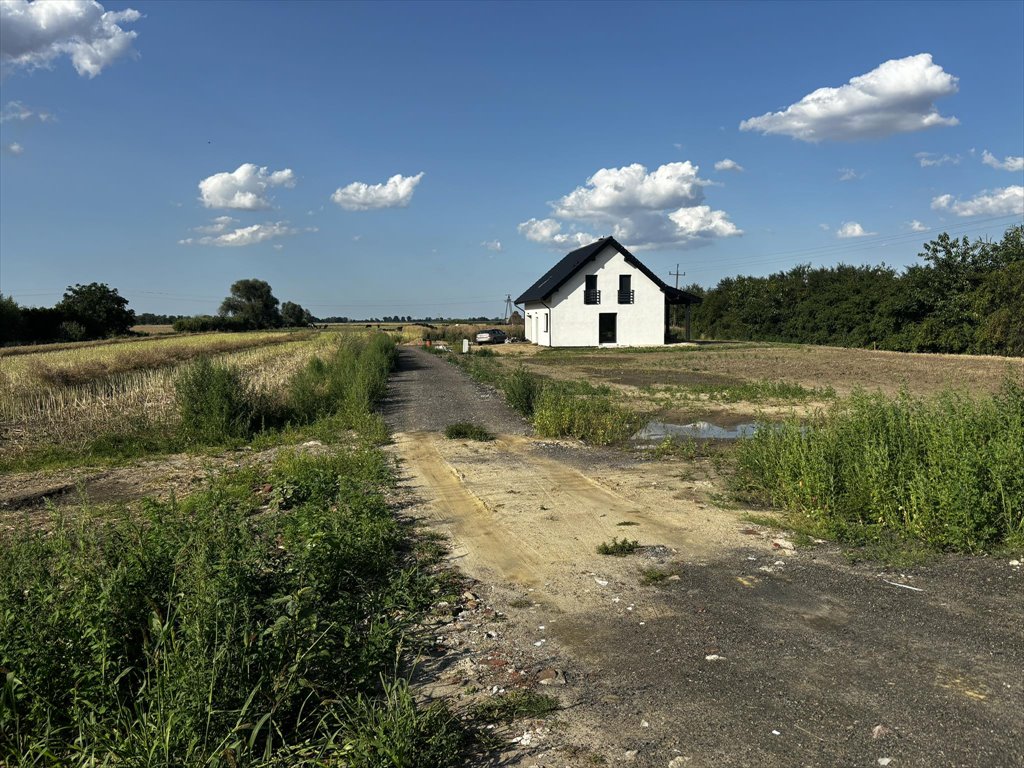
<point>590,293</point>
<point>625,289</point>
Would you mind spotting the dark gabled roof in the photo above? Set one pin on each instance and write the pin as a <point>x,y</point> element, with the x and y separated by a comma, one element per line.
<point>559,274</point>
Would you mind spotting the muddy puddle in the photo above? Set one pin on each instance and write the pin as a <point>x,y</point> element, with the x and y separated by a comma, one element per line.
<point>655,431</point>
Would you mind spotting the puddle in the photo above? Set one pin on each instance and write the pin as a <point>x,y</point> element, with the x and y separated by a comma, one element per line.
<point>701,430</point>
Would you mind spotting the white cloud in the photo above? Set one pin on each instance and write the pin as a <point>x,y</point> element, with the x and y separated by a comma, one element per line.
<point>243,189</point>
<point>916,226</point>
<point>996,202</point>
<point>549,232</point>
<point>728,165</point>
<point>1009,163</point>
<point>848,174</point>
<point>657,209</point>
<point>257,233</point>
<point>932,159</point>
<point>492,245</point>
<point>15,110</point>
<point>852,229</point>
<point>217,225</point>
<point>824,227</point>
<point>36,34</point>
<point>896,97</point>
<point>701,221</point>
<point>396,192</point>
<point>14,148</point>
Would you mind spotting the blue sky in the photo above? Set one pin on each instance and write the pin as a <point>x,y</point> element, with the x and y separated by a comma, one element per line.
<point>515,132</point>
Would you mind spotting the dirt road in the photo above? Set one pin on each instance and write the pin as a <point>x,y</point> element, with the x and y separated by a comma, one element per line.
<point>744,651</point>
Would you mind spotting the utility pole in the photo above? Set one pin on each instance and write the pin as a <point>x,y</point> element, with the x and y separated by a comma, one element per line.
<point>677,275</point>
<point>508,307</point>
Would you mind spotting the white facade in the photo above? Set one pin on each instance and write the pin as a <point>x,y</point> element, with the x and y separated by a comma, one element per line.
<point>566,320</point>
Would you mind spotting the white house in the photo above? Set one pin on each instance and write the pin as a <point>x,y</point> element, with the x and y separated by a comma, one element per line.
<point>600,295</point>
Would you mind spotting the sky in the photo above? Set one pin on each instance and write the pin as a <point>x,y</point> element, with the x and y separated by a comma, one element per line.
<point>430,158</point>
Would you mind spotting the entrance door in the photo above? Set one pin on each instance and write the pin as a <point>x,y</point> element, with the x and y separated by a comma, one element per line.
<point>606,328</point>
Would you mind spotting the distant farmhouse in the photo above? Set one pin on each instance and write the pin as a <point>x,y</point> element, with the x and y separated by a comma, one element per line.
<point>601,295</point>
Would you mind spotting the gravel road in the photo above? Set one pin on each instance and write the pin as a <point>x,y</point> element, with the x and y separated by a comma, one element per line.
<point>426,394</point>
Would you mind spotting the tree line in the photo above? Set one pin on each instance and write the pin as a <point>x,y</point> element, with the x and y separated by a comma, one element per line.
<point>97,311</point>
<point>964,298</point>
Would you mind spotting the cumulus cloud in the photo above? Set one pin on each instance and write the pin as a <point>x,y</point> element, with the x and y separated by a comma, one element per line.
<point>492,245</point>
<point>932,159</point>
<point>644,209</point>
<point>15,110</point>
<point>549,232</point>
<point>916,226</point>
<point>896,97</point>
<point>996,202</point>
<point>396,192</point>
<point>218,234</point>
<point>728,165</point>
<point>14,148</point>
<point>35,34</point>
<point>243,189</point>
<point>852,229</point>
<point>1009,163</point>
<point>848,174</point>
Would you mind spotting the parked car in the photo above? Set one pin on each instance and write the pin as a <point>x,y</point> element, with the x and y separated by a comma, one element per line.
<point>491,336</point>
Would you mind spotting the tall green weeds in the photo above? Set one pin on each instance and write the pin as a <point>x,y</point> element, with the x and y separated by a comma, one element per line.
<point>947,472</point>
<point>249,624</point>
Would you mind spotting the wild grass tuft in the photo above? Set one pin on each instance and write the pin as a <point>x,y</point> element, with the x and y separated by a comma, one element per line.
<point>944,472</point>
<point>514,705</point>
<point>465,430</point>
<point>618,548</point>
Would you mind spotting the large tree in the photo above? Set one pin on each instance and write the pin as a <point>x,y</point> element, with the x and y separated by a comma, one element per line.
<point>98,309</point>
<point>295,315</point>
<point>253,304</point>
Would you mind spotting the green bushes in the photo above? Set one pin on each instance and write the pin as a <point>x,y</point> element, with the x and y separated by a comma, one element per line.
<point>562,410</point>
<point>521,389</point>
<point>250,624</point>
<point>947,472</point>
<point>216,408</point>
<point>213,403</point>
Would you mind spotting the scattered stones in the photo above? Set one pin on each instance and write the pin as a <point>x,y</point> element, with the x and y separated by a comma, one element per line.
<point>879,732</point>
<point>714,657</point>
<point>884,760</point>
<point>678,762</point>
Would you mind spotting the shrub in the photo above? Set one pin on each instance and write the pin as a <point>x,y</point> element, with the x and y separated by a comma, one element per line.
<point>213,403</point>
<point>521,389</point>
<point>944,471</point>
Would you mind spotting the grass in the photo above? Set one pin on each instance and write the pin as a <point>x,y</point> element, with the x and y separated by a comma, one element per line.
<point>317,388</point>
<point>757,391</point>
<point>618,548</point>
<point>514,705</point>
<point>651,576</point>
<point>253,620</point>
<point>465,430</point>
<point>942,473</point>
<point>258,622</point>
<point>628,522</point>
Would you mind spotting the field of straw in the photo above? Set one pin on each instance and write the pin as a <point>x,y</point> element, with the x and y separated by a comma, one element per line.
<point>67,396</point>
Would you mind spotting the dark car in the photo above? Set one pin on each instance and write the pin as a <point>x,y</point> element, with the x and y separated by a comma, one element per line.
<point>491,336</point>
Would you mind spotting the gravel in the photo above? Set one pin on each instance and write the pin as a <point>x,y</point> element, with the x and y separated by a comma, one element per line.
<point>426,394</point>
